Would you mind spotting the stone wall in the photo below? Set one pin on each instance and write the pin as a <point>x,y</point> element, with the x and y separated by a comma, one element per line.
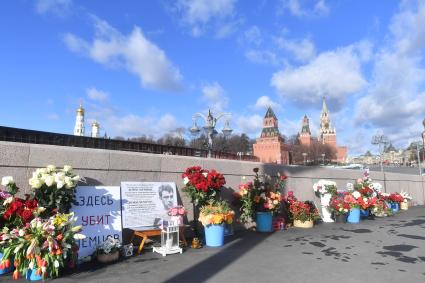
<point>108,167</point>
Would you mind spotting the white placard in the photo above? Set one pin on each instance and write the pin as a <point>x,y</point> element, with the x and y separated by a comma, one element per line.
<point>144,204</point>
<point>98,211</point>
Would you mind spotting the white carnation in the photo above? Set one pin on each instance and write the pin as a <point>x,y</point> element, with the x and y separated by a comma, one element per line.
<point>7,180</point>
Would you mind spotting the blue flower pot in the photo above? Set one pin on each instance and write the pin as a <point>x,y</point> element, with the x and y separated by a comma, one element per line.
<point>364,213</point>
<point>6,270</point>
<point>395,206</point>
<point>32,276</point>
<point>354,215</point>
<point>214,235</point>
<point>264,221</point>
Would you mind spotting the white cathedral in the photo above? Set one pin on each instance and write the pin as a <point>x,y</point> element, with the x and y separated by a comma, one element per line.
<point>79,124</point>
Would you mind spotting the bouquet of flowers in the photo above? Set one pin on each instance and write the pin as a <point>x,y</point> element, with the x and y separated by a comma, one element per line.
<point>338,206</point>
<point>177,213</point>
<point>14,211</point>
<point>202,185</point>
<point>216,212</point>
<point>109,246</point>
<point>258,196</point>
<point>396,197</point>
<point>303,211</point>
<point>43,246</point>
<point>406,196</point>
<point>323,187</point>
<point>54,188</point>
<point>381,208</point>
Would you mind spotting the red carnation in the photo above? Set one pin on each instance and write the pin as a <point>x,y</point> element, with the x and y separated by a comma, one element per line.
<point>31,204</point>
<point>27,215</point>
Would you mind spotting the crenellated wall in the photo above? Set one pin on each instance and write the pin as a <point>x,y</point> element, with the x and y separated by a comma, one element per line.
<point>108,167</point>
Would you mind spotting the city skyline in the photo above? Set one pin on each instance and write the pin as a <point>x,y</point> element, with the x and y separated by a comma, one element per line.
<point>146,68</point>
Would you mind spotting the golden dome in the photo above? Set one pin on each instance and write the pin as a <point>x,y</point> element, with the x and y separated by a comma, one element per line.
<point>95,124</point>
<point>80,110</point>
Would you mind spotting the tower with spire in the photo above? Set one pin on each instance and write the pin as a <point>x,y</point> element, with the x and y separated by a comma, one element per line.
<point>270,147</point>
<point>327,134</point>
<point>304,136</point>
<point>79,122</point>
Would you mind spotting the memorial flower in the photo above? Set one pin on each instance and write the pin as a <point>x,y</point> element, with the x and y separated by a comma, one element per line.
<point>54,188</point>
<point>43,245</point>
<point>323,187</point>
<point>303,211</point>
<point>338,206</point>
<point>202,185</point>
<point>109,246</point>
<point>216,213</point>
<point>259,196</point>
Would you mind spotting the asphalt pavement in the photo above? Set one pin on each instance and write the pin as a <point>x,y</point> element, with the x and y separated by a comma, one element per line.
<point>390,249</point>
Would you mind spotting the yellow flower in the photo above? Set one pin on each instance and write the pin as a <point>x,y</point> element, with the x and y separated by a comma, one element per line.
<point>218,218</point>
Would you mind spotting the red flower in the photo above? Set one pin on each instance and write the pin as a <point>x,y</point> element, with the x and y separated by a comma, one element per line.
<point>27,215</point>
<point>31,204</point>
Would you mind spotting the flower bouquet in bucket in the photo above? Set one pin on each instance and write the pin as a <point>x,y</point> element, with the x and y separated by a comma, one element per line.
<point>214,216</point>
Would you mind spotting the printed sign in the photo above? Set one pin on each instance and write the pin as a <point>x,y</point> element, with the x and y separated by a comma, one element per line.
<point>145,204</point>
<point>98,211</point>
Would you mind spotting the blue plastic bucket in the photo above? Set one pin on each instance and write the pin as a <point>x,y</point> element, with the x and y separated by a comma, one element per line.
<point>32,276</point>
<point>6,270</point>
<point>395,206</point>
<point>354,215</point>
<point>364,213</point>
<point>214,235</point>
<point>264,221</point>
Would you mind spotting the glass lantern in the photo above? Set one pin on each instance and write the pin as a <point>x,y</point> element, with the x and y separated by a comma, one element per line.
<point>169,241</point>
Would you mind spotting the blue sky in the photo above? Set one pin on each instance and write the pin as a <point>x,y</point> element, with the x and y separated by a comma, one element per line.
<point>145,67</point>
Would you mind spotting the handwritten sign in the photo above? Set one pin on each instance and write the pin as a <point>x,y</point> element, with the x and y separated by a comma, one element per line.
<point>98,211</point>
<point>145,204</point>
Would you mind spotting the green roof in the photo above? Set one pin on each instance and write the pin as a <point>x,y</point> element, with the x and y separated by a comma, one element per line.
<point>270,113</point>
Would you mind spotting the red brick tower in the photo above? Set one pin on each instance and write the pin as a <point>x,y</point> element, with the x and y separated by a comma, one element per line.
<point>305,135</point>
<point>270,147</point>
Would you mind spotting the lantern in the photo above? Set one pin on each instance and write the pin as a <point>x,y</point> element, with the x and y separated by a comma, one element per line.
<point>169,241</point>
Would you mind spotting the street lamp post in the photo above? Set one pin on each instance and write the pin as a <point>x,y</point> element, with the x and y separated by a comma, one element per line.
<point>381,141</point>
<point>419,160</point>
<point>209,127</point>
<point>305,156</point>
<point>323,159</point>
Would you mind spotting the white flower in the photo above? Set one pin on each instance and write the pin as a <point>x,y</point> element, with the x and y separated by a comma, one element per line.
<point>76,178</point>
<point>205,174</point>
<point>7,180</point>
<point>68,182</point>
<point>21,232</point>
<point>185,180</point>
<point>76,228</point>
<point>31,265</point>
<point>43,269</point>
<point>51,168</point>
<point>79,237</point>
<point>56,263</point>
<point>67,168</point>
<point>8,200</point>
<point>60,184</point>
<point>356,194</point>
<point>49,180</point>
<point>18,248</point>
<point>365,200</point>
<point>350,187</point>
<point>35,183</point>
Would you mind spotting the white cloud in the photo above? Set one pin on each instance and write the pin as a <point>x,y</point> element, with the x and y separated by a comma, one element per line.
<point>250,125</point>
<point>132,125</point>
<point>303,49</point>
<point>303,8</point>
<point>95,94</point>
<point>263,57</point>
<point>215,96</point>
<point>198,14</point>
<point>333,74</point>
<point>395,100</point>
<point>263,102</point>
<point>57,7</point>
<point>253,35</point>
<point>134,52</point>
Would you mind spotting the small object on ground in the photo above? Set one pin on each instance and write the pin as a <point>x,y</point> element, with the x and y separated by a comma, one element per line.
<point>196,244</point>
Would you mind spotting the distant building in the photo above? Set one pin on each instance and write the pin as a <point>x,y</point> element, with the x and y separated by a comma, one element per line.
<point>304,136</point>
<point>79,122</point>
<point>95,129</point>
<point>327,134</point>
<point>270,147</point>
